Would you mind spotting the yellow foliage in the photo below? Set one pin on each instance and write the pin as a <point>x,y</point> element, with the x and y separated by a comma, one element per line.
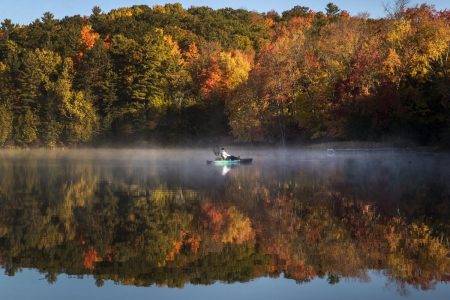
<point>3,67</point>
<point>416,45</point>
<point>421,241</point>
<point>159,8</point>
<point>173,46</point>
<point>192,54</point>
<point>160,196</point>
<point>269,22</point>
<point>3,230</point>
<point>400,267</point>
<point>235,67</point>
<point>124,12</point>
<point>239,228</point>
<point>400,30</point>
<point>392,63</point>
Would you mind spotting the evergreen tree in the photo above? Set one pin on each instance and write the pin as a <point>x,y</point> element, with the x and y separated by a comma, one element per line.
<point>6,124</point>
<point>332,9</point>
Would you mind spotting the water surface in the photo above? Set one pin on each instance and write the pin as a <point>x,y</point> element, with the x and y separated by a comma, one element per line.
<point>116,224</point>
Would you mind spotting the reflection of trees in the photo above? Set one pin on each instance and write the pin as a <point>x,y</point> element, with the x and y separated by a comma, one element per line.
<point>141,229</point>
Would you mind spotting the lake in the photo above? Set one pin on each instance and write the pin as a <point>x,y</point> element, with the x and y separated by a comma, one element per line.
<point>162,224</point>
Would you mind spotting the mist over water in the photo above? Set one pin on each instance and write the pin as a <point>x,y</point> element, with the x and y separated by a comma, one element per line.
<point>163,217</point>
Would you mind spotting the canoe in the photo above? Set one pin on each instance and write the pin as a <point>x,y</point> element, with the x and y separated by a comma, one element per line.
<point>242,161</point>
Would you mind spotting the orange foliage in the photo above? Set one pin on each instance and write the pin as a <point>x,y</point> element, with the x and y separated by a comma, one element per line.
<point>90,258</point>
<point>392,64</point>
<point>88,37</point>
<point>345,14</point>
<point>269,22</point>
<point>392,238</point>
<point>228,225</point>
<point>300,23</point>
<point>173,46</point>
<point>187,241</point>
<point>210,77</point>
<point>194,243</point>
<point>277,67</point>
<point>214,219</point>
<point>301,272</point>
<point>176,249</point>
<point>192,55</point>
<point>225,71</point>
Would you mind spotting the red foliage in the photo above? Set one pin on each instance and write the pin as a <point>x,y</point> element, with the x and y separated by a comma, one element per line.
<point>444,14</point>
<point>418,14</point>
<point>364,63</point>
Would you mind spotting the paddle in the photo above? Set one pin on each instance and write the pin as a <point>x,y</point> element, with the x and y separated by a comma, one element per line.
<point>216,151</point>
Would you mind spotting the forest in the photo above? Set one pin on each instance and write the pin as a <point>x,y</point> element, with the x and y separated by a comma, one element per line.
<point>168,74</point>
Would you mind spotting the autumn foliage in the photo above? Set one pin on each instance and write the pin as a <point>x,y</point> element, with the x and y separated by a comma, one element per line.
<point>174,74</point>
<point>227,225</point>
<point>90,258</point>
<point>335,220</point>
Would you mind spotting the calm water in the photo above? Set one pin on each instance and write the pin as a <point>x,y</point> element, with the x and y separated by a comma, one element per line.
<point>161,224</point>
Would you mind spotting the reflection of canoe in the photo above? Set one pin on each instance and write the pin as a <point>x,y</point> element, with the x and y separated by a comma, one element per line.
<point>242,161</point>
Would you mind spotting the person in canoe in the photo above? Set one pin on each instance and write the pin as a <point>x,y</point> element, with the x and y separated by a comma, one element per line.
<point>225,156</point>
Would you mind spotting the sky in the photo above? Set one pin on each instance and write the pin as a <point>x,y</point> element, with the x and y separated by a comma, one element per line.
<point>26,11</point>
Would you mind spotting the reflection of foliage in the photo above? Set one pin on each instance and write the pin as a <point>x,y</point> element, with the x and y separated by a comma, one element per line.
<point>90,258</point>
<point>143,230</point>
<point>239,227</point>
<point>426,257</point>
<point>227,225</point>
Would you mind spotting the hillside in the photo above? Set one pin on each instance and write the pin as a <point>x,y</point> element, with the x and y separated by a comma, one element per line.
<point>169,74</point>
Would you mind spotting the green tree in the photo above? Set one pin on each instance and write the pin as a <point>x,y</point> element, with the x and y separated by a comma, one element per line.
<point>6,124</point>
<point>295,12</point>
<point>38,72</point>
<point>78,114</point>
<point>332,10</point>
<point>26,127</point>
<point>95,76</point>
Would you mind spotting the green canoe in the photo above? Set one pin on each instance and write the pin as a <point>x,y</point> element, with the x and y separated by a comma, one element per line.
<point>242,161</point>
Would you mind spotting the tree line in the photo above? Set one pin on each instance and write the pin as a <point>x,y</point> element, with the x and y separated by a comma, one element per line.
<point>170,74</point>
